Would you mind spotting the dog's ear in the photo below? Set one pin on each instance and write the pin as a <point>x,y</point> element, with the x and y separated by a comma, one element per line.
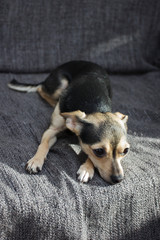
<point>122,117</point>
<point>74,120</point>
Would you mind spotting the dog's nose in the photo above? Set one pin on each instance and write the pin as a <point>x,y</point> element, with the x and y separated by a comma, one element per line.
<point>117,179</point>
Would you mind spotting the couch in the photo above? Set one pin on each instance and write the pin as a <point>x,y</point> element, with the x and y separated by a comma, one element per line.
<point>123,37</point>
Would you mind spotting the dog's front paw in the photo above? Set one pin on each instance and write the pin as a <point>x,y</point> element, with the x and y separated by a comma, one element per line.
<point>34,165</point>
<point>85,173</point>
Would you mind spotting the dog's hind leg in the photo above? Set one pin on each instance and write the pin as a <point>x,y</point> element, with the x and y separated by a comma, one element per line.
<point>49,138</point>
<point>48,98</point>
<point>52,98</point>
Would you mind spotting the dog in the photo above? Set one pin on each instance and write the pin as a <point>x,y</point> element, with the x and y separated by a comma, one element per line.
<point>80,93</point>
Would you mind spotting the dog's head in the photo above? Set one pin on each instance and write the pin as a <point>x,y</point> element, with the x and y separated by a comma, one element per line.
<point>103,137</point>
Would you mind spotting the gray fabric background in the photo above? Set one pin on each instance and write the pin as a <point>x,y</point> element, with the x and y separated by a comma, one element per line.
<point>123,36</point>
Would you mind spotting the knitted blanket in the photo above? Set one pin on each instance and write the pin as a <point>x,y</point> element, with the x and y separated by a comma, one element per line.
<point>53,204</point>
<point>122,36</point>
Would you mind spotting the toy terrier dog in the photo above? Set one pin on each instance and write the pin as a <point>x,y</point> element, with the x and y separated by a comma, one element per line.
<point>81,94</point>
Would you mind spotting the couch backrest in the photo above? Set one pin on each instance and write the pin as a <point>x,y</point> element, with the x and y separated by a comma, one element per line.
<point>123,36</point>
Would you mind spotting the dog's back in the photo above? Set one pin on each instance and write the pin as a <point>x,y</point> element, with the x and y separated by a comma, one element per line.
<point>89,88</point>
<point>80,85</point>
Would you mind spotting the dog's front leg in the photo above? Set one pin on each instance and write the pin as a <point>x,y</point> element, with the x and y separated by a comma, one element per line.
<point>86,171</point>
<point>35,164</point>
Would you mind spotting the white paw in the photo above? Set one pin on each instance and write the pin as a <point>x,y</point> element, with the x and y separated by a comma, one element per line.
<point>85,173</point>
<point>34,165</point>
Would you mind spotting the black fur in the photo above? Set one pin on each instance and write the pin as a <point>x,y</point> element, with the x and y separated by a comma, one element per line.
<point>89,89</point>
<point>15,82</point>
<point>90,134</point>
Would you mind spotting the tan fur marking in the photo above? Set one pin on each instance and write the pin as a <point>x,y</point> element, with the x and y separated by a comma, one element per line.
<point>96,118</point>
<point>50,99</point>
<point>72,120</point>
<point>122,145</point>
<point>104,164</point>
<point>107,166</point>
<point>58,92</point>
<point>74,114</point>
<point>48,139</point>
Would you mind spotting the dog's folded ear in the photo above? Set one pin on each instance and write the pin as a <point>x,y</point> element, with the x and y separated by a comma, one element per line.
<point>74,120</point>
<point>122,117</point>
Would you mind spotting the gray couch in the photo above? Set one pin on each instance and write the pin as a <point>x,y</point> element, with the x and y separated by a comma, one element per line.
<point>35,37</point>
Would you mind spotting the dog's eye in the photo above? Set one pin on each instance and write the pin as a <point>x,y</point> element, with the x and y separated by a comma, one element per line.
<point>99,152</point>
<point>125,151</point>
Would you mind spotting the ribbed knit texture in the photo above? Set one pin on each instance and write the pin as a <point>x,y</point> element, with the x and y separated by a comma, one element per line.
<point>53,204</point>
<point>123,36</point>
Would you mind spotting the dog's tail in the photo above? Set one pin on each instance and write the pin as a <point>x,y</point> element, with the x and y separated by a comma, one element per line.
<point>23,87</point>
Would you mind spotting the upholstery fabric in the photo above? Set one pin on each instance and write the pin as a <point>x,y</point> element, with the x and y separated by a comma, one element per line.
<point>53,204</point>
<point>122,36</point>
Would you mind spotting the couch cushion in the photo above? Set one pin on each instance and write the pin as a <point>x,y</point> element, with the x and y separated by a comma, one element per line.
<point>53,204</point>
<point>36,36</point>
